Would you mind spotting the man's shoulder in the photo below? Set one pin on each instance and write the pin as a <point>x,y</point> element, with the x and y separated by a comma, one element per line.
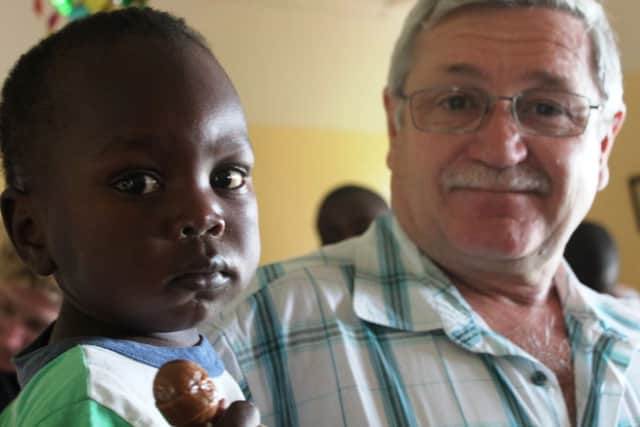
<point>297,286</point>
<point>326,259</point>
<point>375,250</point>
<point>619,315</point>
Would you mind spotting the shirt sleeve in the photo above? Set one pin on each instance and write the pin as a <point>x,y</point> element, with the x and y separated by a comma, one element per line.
<point>86,413</point>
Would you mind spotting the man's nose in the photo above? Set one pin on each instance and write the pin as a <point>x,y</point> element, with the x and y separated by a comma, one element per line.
<point>200,213</point>
<point>499,142</point>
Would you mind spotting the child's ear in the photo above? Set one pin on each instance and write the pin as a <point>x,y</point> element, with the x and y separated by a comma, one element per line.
<point>25,231</point>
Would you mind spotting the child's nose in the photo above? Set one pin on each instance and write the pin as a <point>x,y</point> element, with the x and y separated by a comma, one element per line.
<point>199,215</point>
<point>213,225</point>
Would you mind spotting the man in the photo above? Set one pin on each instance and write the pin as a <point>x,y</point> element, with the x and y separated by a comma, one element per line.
<point>347,211</point>
<point>28,304</point>
<point>459,310</point>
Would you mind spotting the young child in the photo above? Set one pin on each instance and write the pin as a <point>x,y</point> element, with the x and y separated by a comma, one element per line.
<point>128,172</point>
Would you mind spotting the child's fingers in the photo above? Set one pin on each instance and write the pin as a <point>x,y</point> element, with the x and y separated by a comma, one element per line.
<point>239,414</point>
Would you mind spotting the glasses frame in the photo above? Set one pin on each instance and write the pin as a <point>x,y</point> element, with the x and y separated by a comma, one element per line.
<point>490,101</point>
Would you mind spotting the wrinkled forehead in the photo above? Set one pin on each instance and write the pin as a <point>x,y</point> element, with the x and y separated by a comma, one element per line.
<point>571,29</point>
<point>556,44</point>
<point>444,9</point>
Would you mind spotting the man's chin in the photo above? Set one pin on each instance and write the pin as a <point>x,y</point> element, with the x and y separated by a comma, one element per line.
<point>494,251</point>
<point>508,243</point>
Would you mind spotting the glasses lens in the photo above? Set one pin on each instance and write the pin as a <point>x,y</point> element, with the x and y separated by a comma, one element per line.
<point>447,110</point>
<point>552,113</point>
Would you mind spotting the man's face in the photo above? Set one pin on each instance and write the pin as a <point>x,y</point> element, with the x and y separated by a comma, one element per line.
<point>24,313</point>
<point>442,184</point>
<point>147,206</point>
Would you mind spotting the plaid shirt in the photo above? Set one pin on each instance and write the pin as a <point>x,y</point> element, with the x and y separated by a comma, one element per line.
<point>369,332</point>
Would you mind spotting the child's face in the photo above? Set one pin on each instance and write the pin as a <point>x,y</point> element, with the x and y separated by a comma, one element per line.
<point>147,205</point>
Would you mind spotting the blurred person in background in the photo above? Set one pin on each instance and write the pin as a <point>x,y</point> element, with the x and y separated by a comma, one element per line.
<point>28,304</point>
<point>347,211</point>
<point>593,256</point>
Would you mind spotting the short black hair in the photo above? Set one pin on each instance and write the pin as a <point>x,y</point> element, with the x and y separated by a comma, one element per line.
<point>593,256</point>
<point>348,191</point>
<point>341,194</point>
<point>27,101</point>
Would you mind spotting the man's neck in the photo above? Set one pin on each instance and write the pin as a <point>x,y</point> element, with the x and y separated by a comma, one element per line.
<point>534,321</point>
<point>531,287</point>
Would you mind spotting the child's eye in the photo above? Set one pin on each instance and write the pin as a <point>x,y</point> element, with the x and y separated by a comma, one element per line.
<point>229,179</point>
<point>137,184</point>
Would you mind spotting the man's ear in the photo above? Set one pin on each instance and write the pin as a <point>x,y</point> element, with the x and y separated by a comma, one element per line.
<point>25,231</point>
<point>611,130</point>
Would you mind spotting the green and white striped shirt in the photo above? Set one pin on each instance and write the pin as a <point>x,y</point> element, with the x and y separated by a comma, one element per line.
<point>369,332</point>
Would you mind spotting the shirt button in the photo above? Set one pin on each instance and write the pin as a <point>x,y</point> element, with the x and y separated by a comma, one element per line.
<point>539,378</point>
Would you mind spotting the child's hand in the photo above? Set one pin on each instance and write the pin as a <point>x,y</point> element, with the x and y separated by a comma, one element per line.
<point>186,396</point>
<point>239,414</point>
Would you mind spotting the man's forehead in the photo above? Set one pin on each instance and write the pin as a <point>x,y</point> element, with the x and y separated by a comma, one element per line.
<point>561,27</point>
<point>473,42</point>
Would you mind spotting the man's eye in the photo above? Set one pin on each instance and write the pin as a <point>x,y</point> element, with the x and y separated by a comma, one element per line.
<point>544,108</point>
<point>548,110</point>
<point>230,179</point>
<point>458,102</point>
<point>137,184</point>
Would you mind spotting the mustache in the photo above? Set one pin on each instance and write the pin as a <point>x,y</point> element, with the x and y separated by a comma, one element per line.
<point>522,178</point>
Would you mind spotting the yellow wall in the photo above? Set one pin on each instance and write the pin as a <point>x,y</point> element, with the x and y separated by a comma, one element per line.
<point>296,167</point>
<point>613,205</point>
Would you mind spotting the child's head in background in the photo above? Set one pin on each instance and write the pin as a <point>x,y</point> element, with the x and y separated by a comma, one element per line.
<point>28,304</point>
<point>128,170</point>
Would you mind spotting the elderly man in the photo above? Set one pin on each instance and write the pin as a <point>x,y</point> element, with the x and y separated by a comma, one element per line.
<point>458,310</point>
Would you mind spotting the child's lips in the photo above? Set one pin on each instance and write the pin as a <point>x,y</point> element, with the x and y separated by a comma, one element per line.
<point>203,277</point>
<point>201,281</point>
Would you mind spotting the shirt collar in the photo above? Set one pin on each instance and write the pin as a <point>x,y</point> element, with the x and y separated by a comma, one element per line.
<point>39,353</point>
<point>396,286</point>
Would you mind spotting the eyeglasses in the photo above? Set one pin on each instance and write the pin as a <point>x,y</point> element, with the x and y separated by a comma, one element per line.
<point>551,113</point>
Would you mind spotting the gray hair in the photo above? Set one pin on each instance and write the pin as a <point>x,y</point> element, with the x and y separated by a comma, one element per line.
<point>427,13</point>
